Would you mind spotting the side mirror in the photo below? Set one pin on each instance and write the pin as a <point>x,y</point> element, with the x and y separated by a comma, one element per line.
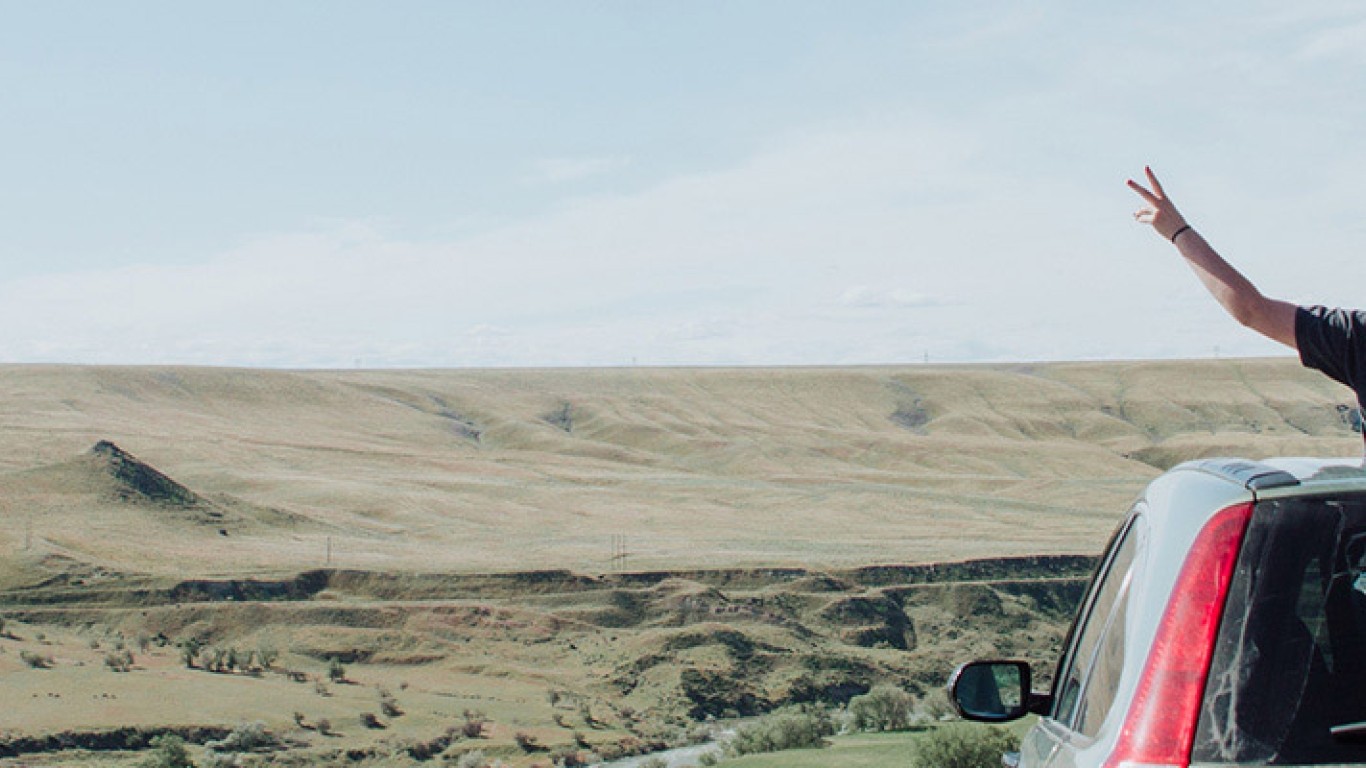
<point>993,691</point>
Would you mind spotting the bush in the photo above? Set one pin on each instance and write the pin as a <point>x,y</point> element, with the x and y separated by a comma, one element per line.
<point>778,732</point>
<point>885,708</point>
<point>473,727</point>
<point>119,661</point>
<point>36,660</point>
<point>247,737</point>
<point>369,720</point>
<point>189,650</point>
<point>388,704</point>
<point>961,745</point>
<point>655,762</point>
<point>472,759</point>
<point>335,671</point>
<point>935,706</point>
<point>527,742</point>
<point>168,752</point>
<point>267,655</point>
<point>708,759</point>
<point>568,757</point>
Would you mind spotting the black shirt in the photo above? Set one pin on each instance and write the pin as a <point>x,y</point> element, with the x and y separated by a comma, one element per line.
<point>1334,341</point>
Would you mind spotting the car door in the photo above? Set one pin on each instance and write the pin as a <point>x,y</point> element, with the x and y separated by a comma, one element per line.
<point>1088,675</point>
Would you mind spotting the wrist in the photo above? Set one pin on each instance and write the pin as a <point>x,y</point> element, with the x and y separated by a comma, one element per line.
<point>1184,229</point>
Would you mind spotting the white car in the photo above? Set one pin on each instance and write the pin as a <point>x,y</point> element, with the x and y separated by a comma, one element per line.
<point>1225,625</point>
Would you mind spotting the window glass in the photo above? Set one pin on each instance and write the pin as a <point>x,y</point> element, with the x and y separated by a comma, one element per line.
<point>1293,633</point>
<point>1079,700</point>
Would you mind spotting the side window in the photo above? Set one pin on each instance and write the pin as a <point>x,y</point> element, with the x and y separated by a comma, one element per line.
<point>1090,674</point>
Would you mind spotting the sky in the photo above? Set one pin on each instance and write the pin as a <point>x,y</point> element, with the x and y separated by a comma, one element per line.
<point>589,183</point>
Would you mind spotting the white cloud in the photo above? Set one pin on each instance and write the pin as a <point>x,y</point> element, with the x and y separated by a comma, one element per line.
<point>869,297</point>
<point>558,170</point>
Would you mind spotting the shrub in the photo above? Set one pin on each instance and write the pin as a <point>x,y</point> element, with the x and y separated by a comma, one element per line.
<point>935,706</point>
<point>369,720</point>
<point>568,758</point>
<point>335,671</point>
<point>324,726</point>
<point>119,661</point>
<point>213,659</point>
<point>35,660</point>
<point>388,704</point>
<point>168,751</point>
<point>960,745</point>
<point>885,708</point>
<point>778,732</point>
<point>189,650</point>
<point>473,727</point>
<point>267,655</point>
<point>247,737</point>
<point>655,762</point>
<point>709,759</point>
<point>472,759</point>
<point>527,742</point>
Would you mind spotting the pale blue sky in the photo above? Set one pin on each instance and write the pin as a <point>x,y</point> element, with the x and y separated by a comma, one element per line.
<point>602,183</point>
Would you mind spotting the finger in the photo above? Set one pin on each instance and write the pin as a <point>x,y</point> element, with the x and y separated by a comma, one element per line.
<point>1143,193</point>
<point>1156,185</point>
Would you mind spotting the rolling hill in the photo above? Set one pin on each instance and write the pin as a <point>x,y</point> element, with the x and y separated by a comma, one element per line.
<point>521,469</point>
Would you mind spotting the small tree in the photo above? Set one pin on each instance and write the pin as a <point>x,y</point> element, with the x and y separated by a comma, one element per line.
<point>189,650</point>
<point>168,752</point>
<point>781,731</point>
<point>961,745</point>
<point>247,737</point>
<point>335,671</point>
<point>885,708</point>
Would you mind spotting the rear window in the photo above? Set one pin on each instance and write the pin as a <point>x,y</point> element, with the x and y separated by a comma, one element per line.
<point>1290,661</point>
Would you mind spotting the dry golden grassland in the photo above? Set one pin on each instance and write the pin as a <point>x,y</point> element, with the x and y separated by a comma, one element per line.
<point>451,534</point>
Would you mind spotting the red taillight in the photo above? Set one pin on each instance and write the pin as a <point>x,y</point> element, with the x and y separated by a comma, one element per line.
<point>1160,726</point>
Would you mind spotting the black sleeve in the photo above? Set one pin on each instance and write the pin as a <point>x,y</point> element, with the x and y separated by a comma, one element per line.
<point>1333,341</point>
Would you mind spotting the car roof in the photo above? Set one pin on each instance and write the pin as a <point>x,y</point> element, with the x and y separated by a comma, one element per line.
<point>1286,476</point>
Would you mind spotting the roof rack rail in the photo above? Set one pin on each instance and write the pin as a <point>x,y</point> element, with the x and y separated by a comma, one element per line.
<point>1252,475</point>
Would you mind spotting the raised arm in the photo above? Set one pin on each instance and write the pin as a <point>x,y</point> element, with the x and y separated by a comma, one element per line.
<point>1272,318</point>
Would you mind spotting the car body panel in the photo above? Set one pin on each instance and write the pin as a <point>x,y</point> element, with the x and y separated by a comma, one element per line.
<point>1170,513</point>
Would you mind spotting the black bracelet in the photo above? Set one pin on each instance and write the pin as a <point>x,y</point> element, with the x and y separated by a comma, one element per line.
<point>1180,232</point>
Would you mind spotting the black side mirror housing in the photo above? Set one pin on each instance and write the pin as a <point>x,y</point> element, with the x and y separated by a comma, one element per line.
<point>995,691</point>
